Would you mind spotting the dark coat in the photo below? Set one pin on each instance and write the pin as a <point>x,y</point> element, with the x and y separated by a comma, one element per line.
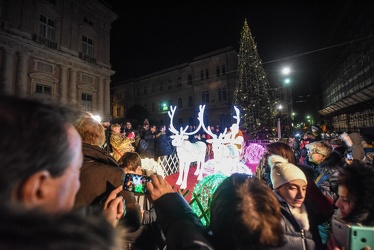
<point>296,238</point>
<point>163,145</point>
<point>149,152</point>
<point>99,175</point>
<point>181,226</point>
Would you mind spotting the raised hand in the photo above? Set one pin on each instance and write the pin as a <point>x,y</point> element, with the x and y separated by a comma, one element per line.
<point>114,207</point>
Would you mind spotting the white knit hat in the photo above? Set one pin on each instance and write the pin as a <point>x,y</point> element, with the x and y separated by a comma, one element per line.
<point>282,171</point>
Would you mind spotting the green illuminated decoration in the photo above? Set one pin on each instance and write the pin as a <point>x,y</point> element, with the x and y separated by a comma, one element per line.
<point>202,195</point>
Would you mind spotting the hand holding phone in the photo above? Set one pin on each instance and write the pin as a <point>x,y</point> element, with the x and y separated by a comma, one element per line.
<point>158,187</point>
<point>136,183</point>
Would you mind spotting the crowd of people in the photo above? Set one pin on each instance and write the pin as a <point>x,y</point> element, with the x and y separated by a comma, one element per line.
<point>61,189</point>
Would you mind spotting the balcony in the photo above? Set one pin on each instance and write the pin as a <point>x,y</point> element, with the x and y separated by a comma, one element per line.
<point>87,58</point>
<point>45,41</point>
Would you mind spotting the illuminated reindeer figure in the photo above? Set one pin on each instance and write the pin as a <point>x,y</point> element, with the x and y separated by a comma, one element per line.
<point>187,152</point>
<point>224,146</point>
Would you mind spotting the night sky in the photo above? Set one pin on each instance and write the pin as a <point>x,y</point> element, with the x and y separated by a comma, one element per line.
<point>154,35</point>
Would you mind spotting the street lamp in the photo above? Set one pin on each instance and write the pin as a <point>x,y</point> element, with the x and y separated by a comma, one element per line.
<point>309,119</point>
<point>286,70</point>
<point>287,93</point>
<point>279,125</point>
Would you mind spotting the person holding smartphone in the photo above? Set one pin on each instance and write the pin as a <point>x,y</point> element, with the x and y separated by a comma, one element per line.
<point>355,203</point>
<point>180,225</point>
<point>149,235</point>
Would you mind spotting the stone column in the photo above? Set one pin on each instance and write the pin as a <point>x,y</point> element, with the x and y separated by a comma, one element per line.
<point>8,69</point>
<point>107,97</point>
<point>100,95</point>
<point>23,59</point>
<point>64,82</point>
<point>73,85</point>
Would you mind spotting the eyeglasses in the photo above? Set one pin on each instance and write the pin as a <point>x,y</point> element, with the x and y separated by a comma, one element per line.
<point>316,152</point>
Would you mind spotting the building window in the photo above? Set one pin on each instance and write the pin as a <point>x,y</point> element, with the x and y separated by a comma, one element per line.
<point>153,107</point>
<point>217,71</point>
<point>222,94</point>
<point>206,74</point>
<point>205,97</point>
<point>190,102</point>
<point>47,27</point>
<point>43,89</point>
<point>145,90</point>
<point>153,88</point>
<point>118,111</point>
<point>180,105</point>
<point>86,102</point>
<point>169,85</point>
<point>189,79</point>
<point>119,96</point>
<point>170,103</point>
<point>202,74</point>
<point>137,92</point>
<point>87,45</point>
<point>161,86</point>
<point>223,70</point>
<point>179,84</point>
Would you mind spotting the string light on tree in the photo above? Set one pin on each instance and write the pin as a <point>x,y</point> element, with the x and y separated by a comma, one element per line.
<point>252,92</point>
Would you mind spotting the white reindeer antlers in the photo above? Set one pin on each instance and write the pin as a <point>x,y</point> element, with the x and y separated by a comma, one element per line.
<point>182,131</point>
<point>237,117</point>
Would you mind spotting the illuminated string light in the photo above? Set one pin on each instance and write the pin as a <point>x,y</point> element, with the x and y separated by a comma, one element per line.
<point>152,165</point>
<point>253,153</point>
<point>204,190</point>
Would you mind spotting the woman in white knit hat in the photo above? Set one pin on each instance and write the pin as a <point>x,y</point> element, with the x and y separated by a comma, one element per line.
<point>300,222</point>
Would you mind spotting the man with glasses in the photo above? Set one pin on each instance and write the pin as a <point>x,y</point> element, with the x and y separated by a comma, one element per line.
<point>317,152</point>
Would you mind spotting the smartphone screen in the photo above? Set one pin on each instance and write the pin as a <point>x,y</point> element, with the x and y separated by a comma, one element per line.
<point>136,183</point>
<point>349,156</point>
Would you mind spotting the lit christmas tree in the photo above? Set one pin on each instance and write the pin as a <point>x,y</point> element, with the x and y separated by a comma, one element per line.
<point>252,93</point>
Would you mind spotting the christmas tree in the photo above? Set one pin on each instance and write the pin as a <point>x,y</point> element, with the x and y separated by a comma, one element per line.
<point>252,92</point>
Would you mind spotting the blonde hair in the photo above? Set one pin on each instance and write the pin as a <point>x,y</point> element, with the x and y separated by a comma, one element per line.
<point>115,125</point>
<point>320,147</point>
<point>91,131</point>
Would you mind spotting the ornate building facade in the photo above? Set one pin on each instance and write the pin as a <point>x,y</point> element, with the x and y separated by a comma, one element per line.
<point>207,79</point>
<point>58,49</point>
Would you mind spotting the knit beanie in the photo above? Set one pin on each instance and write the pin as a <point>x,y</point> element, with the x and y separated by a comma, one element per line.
<point>283,172</point>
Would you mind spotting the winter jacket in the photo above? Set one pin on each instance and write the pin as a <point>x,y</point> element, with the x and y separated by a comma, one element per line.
<point>181,226</point>
<point>99,175</point>
<point>163,145</point>
<point>299,239</point>
<point>149,152</point>
<point>358,152</point>
<point>120,145</point>
<point>328,175</point>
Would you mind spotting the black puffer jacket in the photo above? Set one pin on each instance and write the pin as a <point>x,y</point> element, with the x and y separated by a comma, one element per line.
<point>181,226</point>
<point>299,239</point>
